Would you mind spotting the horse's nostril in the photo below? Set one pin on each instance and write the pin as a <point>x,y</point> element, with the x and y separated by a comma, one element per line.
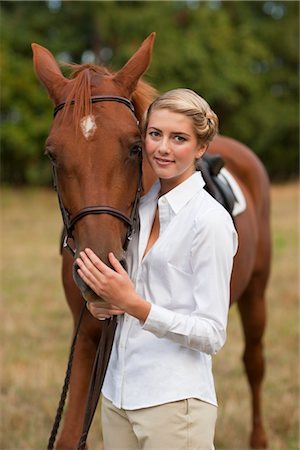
<point>77,278</point>
<point>75,269</point>
<point>124,264</point>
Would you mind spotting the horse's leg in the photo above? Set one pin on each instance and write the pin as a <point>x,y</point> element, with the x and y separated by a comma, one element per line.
<point>82,363</point>
<point>253,315</point>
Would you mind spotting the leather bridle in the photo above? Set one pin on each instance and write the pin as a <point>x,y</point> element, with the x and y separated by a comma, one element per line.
<point>109,325</point>
<point>70,220</point>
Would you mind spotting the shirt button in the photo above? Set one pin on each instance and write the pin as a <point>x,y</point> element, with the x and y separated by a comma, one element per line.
<point>163,200</point>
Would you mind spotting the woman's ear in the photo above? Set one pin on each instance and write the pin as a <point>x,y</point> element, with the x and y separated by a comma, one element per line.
<point>201,150</point>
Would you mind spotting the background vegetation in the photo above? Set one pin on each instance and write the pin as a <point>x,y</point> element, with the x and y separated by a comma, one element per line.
<point>241,56</point>
<point>37,326</point>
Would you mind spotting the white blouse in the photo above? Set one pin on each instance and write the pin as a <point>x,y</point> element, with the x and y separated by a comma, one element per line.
<point>186,276</point>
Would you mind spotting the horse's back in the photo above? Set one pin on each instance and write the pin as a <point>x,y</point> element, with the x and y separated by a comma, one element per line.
<point>253,225</point>
<point>245,166</point>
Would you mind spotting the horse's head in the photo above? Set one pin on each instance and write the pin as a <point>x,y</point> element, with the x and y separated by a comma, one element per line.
<point>95,148</point>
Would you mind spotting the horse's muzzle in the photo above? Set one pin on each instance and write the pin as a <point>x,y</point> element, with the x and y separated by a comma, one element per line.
<point>88,294</point>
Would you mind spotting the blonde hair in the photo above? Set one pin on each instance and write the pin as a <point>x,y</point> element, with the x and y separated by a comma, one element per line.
<point>189,103</point>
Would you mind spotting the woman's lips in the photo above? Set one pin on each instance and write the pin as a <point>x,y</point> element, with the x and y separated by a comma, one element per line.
<point>163,162</point>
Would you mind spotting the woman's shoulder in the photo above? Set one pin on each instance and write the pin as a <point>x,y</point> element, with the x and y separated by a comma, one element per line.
<point>208,210</point>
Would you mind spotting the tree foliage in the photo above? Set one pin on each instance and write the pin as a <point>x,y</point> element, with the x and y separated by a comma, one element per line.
<point>241,56</point>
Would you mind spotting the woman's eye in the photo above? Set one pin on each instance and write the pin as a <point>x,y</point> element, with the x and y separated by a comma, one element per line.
<point>179,139</point>
<point>154,134</point>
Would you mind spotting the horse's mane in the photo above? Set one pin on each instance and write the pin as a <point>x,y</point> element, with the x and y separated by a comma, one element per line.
<point>85,76</point>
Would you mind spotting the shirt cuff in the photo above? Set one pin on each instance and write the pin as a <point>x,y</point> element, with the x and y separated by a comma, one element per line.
<point>158,320</point>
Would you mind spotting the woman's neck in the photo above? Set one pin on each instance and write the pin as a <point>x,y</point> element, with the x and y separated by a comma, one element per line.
<point>166,185</point>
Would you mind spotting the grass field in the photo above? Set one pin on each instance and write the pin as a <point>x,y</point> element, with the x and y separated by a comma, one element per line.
<point>36,330</point>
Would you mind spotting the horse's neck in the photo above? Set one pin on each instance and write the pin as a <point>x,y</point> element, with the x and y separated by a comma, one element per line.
<point>149,176</point>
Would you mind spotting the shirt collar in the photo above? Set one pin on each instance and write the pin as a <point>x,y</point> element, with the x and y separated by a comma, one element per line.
<point>182,194</point>
<point>152,194</point>
<point>178,196</point>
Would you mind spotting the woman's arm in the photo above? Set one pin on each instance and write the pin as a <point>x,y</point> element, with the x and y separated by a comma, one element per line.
<point>203,326</point>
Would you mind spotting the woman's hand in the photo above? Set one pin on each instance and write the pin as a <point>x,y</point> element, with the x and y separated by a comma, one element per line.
<point>103,311</point>
<point>112,285</point>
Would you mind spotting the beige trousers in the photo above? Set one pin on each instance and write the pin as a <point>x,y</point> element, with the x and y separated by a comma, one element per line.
<point>182,425</point>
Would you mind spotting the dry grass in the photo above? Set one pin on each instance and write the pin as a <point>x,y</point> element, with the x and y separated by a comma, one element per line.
<point>36,331</point>
<point>281,386</point>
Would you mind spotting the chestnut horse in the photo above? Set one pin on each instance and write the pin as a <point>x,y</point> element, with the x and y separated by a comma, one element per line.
<point>93,148</point>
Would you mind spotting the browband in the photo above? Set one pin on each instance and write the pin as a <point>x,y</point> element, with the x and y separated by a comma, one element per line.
<point>100,98</point>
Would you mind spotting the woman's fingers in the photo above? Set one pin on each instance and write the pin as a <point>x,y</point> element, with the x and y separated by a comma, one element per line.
<point>87,267</point>
<point>116,264</point>
<point>90,257</point>
<point>88,278</point>
<point>103,312</point>
<point>98,307</point>
<point>111,284</point>
<point>85,261</point>
<point>102,266</point>
<point>91,270</point>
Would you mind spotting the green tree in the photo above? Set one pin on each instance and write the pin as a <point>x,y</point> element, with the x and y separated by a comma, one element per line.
<point>241,56</point>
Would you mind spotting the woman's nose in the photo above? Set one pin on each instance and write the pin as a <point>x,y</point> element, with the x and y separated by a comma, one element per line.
<point>164,147</point>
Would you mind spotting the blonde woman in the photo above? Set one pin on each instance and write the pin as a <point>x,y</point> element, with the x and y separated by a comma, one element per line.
<point>159,391</point>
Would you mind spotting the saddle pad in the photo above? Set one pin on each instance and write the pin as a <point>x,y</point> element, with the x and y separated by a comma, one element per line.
<point>240,201</point>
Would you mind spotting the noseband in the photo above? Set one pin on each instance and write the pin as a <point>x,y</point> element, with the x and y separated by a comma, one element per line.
<point>70,220</point>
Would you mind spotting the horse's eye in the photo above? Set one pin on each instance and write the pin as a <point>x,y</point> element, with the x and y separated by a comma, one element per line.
<point>49,153</point>
<point>136,149</point>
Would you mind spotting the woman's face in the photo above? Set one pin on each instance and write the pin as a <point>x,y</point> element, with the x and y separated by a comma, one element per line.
<point>172,147</point>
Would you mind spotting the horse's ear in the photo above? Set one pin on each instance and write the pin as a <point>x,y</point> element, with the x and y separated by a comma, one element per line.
<point>137,65</point>
<point>48,72</point>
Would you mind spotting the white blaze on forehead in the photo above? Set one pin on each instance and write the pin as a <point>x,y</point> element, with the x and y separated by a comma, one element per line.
<point>88,126</point>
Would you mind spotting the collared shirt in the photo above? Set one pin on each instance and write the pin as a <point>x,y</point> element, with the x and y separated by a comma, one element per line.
<point>186,277</point>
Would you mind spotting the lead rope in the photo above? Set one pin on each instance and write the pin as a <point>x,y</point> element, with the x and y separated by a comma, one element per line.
<point>104,347</point>
<point>97,377</point>
<point>65,388</point>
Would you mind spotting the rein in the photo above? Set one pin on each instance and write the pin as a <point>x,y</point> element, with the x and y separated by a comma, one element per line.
<point>109,325</point>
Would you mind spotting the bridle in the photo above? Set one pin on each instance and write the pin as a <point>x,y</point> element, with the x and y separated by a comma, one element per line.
<point>109,326</point>
<point>70,220</point>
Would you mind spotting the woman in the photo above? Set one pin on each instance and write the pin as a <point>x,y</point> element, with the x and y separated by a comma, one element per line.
<point>159,392</point>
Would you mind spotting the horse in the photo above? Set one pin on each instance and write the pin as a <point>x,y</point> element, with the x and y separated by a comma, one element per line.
<point>94,145</point>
